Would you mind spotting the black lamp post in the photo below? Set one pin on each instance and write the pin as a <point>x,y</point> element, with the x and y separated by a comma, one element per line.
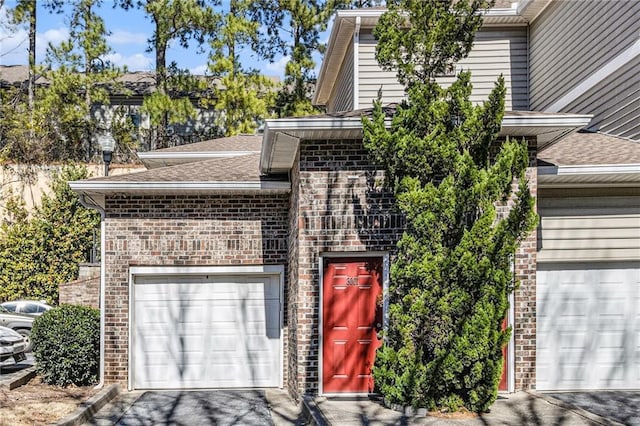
<point>107,144</point>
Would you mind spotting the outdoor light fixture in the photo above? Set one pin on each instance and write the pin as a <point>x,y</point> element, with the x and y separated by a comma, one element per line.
<point>107,144</point>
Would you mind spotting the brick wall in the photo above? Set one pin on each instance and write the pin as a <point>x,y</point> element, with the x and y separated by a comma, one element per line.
<point>293,291</point>
<point>524,328</point>
<point>337,206</point>
<point>85,291</point>
<point>183,230</point>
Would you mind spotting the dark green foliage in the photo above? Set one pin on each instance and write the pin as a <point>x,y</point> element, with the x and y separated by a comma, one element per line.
<point>40,252</point>
<point>66,342</point>
<point>455,183</point>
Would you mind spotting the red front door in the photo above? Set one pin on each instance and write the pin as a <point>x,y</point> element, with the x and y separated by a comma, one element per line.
<point>351,319</point>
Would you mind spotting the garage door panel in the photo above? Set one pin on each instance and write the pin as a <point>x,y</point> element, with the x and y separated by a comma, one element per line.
<point>587,337</point>
<point>206,332</point>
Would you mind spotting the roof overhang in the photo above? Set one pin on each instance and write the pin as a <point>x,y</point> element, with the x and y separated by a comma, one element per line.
<point>282,136</point>
<point>341,37</point>
<point>97,190</point>
<point>615,175</point>
<point>531,9</point>
<point>155,159</point>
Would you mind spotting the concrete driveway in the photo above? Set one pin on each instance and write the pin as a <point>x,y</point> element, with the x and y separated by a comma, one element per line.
<point>199,407</point>
<point>619,406</point>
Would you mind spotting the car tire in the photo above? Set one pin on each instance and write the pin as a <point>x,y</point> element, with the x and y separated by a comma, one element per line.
<point>26,333</point>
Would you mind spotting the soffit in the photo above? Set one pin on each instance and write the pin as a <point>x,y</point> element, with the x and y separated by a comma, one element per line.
<point>282,136</point>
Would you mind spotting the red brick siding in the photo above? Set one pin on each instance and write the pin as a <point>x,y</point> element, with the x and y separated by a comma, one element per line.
<point>183,230</point>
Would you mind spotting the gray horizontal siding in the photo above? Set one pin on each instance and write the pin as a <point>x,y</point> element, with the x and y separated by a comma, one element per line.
<point>371,78</point>
<point>496,51</point>
<point>572,39</point>
<point>589,229</point>
<point>341,99</point>
<point>614,102</point>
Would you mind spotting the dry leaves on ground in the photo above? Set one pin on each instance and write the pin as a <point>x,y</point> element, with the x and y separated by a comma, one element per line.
<point>37,403</point>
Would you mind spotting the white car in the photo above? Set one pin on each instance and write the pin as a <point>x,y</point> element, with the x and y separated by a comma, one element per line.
<point>12,344</point>
<point>30,307</point>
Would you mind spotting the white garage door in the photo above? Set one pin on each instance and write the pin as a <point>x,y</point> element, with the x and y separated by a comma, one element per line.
<point>588,326</point>
<point>206,332</point>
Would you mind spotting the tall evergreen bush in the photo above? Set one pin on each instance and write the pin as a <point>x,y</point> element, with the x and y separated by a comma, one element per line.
<point>450,174</point>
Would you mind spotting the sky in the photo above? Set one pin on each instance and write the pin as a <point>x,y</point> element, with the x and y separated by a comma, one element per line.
<point>130,31</point>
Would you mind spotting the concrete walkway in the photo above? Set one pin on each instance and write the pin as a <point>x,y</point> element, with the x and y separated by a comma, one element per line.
<point>515,409</point>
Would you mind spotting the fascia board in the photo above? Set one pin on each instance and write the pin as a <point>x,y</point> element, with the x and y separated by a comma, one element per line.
<point>544,120</point>
<point>118,186</point>
<point>531,9</point>
<point>606,169</point>
<point>321,94</point>
<point>377,13</point>
<point>188,155</point>
<point>295,124</point>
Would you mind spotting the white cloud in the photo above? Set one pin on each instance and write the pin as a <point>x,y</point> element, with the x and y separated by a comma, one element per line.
<point>135,62</point>
<point>278,66</point>
<point>14,43</point>
<point>127,37</point>
<point>199,70</point>
<point>54,36</point>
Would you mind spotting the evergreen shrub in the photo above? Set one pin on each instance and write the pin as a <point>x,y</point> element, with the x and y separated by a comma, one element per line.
<point>66,345</point>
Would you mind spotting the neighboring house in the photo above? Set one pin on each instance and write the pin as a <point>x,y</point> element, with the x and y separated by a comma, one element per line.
<point>263,261</point>
<point>127,102</point>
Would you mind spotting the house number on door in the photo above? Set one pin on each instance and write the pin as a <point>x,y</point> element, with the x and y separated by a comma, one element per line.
<point>352,280</point>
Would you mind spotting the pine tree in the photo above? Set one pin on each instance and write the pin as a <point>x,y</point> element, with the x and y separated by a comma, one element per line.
<point>449,172</point>
<point>185,22</point>
<point>243,98</point>
<point>78,79</point>
<point>293,29</point>
<point>25,12</point>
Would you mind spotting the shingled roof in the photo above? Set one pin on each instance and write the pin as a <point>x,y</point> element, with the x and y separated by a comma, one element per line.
<point>251,143</point>
<point>589,148</point>
<point>242,168</point>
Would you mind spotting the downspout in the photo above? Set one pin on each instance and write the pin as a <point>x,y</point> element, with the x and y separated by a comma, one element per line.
<point>91,204</point>
<point>356,54</point>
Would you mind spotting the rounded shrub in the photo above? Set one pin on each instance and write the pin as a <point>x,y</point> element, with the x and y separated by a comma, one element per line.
<point>66,345</point>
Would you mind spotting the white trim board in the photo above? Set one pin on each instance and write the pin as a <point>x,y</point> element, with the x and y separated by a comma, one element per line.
<point>595,78</point>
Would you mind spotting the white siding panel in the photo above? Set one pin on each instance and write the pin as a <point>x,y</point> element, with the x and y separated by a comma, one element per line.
<point>496,51</point>
<point>562,53</point>
<point>341,99</point>
<point>589,228</point>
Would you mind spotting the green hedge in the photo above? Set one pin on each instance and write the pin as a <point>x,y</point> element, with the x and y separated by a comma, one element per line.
<point>66,345</point>
<point>42,250</point>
